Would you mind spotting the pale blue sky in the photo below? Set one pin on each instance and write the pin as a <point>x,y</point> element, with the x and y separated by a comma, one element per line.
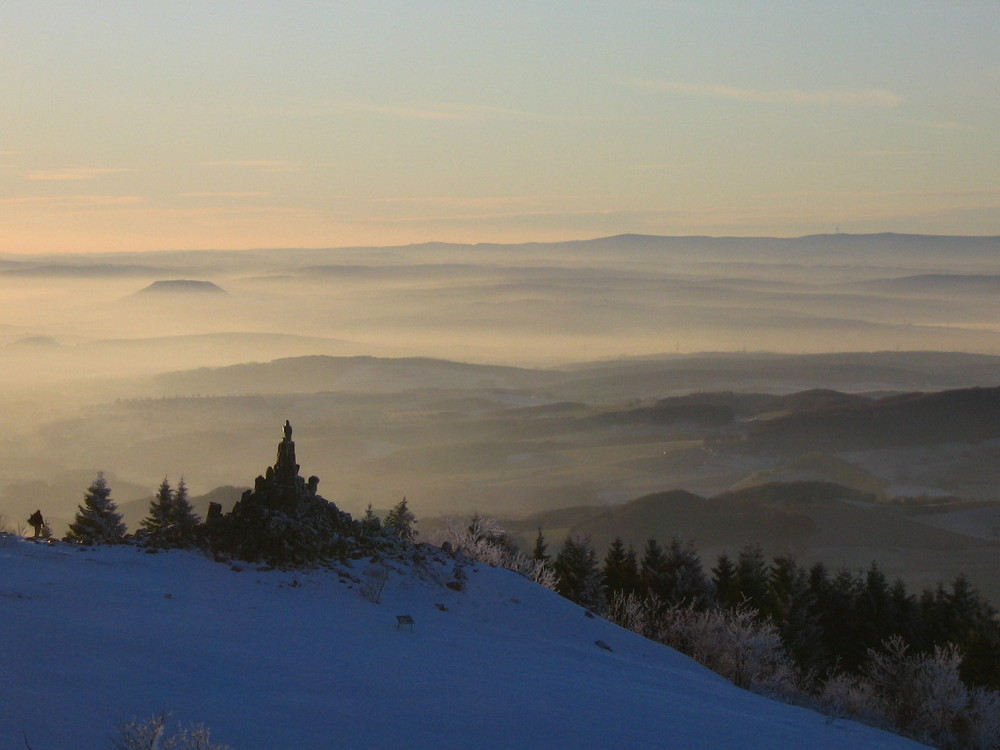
<point>247,123</point>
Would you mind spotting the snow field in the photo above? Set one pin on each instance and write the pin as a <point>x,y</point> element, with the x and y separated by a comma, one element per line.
<point>300,660</point>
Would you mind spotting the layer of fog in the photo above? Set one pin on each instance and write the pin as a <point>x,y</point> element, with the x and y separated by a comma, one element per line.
<point>80,346</point>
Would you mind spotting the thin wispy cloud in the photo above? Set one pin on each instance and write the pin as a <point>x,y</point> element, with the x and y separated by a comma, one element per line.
<point>444,111</point>
<point>72,201</point>
<point>889,153</point>
<point>226,195</point>
<point>491,216</point>
<point>991,195</point>
<point>944,125</point>
<point>264,165</point>
<point>654,166</point>
<point>818,97</point>
<point>72,175</point>
<point>453,201</point>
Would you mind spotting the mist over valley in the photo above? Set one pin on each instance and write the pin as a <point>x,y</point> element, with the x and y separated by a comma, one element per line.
<point>517,380</point>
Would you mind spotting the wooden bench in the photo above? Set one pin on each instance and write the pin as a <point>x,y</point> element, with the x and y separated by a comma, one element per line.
<point>402,620</point>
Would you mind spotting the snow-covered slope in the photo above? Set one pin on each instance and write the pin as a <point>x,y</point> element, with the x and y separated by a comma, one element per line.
<point>274,660</point>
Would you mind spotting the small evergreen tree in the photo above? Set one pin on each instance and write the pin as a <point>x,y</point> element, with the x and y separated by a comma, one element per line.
<point>578,576</point>
<point>727,590</point>
<point>401,519</point>
<point>97,519</point>
<point>538,553</point>
<point>752,576</point>
<point>621,570</point>
<point>160,509</point>
<point>793,608</point>
<point>371,523</point>
<point>652,570</point>
<point>684,579</point>
<point>171,521</point>
<point>183,515</point>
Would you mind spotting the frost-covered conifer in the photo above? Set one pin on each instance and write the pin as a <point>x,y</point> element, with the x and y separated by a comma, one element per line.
<point>182,514</point>
<point>97,520</point>
<point>401,519</point>
<point>371,523</point>
<point>160,509</point>
<point>171,521</point>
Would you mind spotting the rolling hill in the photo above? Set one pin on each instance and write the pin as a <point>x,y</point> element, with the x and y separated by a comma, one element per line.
<point>300,659</point>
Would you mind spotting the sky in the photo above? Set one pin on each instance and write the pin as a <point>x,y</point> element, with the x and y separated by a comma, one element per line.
<point>195,124</point>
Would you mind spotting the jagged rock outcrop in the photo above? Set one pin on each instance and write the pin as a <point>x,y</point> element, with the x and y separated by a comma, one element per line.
<point>283,520</point>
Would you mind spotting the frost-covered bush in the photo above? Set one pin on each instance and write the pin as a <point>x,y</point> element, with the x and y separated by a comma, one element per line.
<point>153,734</point>
<point>736,643</point>
<point>923,696</point>
<point>634,612</point>
<point>848,696</point>
<point>484,539</point>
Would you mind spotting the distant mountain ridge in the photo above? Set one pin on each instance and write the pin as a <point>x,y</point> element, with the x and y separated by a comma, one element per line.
<point>181,286</point>
<point>969,415</point>
<point>318,373</point>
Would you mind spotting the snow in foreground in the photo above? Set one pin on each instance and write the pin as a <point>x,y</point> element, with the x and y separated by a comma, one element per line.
<point>273,660</point>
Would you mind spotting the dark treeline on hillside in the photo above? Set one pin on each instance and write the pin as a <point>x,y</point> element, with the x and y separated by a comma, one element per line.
<point>850,644</point>
<point>828,620</point>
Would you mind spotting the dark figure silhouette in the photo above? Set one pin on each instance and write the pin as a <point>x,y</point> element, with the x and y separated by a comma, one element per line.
<point>37,522</point>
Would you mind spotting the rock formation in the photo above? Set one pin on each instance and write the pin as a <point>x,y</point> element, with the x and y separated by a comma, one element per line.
<point>280,487</point>
<point>282,519</point>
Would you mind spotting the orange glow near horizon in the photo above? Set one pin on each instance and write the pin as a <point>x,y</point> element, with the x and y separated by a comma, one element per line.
<point>216,125</point>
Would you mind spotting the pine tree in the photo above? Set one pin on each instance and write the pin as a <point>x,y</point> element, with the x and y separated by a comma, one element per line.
<point>751,574</point>
<point>97,520</point>
<point>183,515</point>
<point>652,569</point>
<point>794,609</point>
<point>538,552</point>
<point>160,509</point>
<point>685,580</point>
<point>621,570</point>
<point>171,521</point>
<point>400,519</point>
<point>727,590</point>
<point>370,523</point>
<point>578,576</point>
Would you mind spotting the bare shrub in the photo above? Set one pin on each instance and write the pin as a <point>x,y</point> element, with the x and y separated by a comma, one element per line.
<point>376,578</point>
<point>151,734</point>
